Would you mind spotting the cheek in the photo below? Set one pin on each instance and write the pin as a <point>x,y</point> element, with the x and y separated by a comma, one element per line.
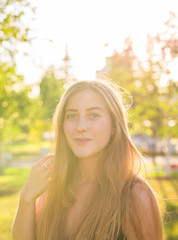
<point>104,126</point>
<point>68,128</point>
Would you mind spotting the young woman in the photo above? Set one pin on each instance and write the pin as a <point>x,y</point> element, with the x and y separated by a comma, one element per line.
<point>91,189</point>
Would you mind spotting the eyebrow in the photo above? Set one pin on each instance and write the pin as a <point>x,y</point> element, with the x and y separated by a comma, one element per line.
<point>88,109</point>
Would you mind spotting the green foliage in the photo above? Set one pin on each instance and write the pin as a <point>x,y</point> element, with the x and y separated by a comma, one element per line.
<point>51,90</point>
<point>14,101</point>
<point>154,105</point>
<point>15,105</point>
<point>11,28</point>
<point>157,103</point>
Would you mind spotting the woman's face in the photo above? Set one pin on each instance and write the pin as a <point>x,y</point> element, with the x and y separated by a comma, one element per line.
<point>87,124</point>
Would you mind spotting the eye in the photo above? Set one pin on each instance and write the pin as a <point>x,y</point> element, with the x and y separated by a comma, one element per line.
<point>94,115</point>
<point>71,116</point>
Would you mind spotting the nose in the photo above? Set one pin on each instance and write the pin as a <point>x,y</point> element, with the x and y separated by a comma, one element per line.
<point>82,125</point>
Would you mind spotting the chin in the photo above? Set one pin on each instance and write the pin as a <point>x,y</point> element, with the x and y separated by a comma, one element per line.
<point>83,154</point>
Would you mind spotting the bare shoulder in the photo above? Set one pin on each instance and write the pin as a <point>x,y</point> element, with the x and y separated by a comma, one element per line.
<point>142,192</point>
<point>144,201</point>
<point>145,219</point>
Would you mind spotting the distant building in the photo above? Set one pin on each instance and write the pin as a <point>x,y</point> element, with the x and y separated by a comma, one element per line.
<point>64,71</point>
<point>119,60</point>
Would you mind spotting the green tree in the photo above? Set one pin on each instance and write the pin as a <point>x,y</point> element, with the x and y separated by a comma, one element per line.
<point>154,103</point>
<point>13,94</point>
<point>12,29</point>
<point>157,86</point>
<point>51,90</point>
<point>120,66</point>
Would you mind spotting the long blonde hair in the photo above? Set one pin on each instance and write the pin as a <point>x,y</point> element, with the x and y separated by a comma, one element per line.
<point>111,207</point>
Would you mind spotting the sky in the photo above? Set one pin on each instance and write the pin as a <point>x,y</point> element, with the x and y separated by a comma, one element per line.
<point>86,27</point>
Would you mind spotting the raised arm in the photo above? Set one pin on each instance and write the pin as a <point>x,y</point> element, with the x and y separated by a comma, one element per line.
<point>145,221</point>
<point>37,182</point>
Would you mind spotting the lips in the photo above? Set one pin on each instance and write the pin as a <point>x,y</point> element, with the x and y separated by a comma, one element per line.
<point>82,141</point>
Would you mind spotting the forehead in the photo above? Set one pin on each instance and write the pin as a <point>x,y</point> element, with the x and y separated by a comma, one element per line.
<point>86,98</point>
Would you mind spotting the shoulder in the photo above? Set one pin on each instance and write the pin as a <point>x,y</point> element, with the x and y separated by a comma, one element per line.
<point>142,191</point>
<point>143,202</point>
<point>145,216</point>
<point>144,196</point>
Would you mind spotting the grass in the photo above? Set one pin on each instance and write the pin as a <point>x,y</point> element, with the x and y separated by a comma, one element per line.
<point>23,149</point>
<point>8,205</point>
<point>14,178</point>
<point>158,170</point>
<point>12,181</point>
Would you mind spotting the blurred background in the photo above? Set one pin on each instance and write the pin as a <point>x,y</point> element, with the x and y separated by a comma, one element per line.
<point>46,45</point>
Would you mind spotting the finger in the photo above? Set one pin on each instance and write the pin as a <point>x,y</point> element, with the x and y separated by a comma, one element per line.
<point>45,159</point>
<point>45,165</point>
<point>42,160</point>
<point>49,161</point>
<point>48,164</point>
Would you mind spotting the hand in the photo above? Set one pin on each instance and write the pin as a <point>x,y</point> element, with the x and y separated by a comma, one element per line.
<point>38,179</point>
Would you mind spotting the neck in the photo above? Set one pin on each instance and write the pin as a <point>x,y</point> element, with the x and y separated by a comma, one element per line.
<point>88,169</point>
